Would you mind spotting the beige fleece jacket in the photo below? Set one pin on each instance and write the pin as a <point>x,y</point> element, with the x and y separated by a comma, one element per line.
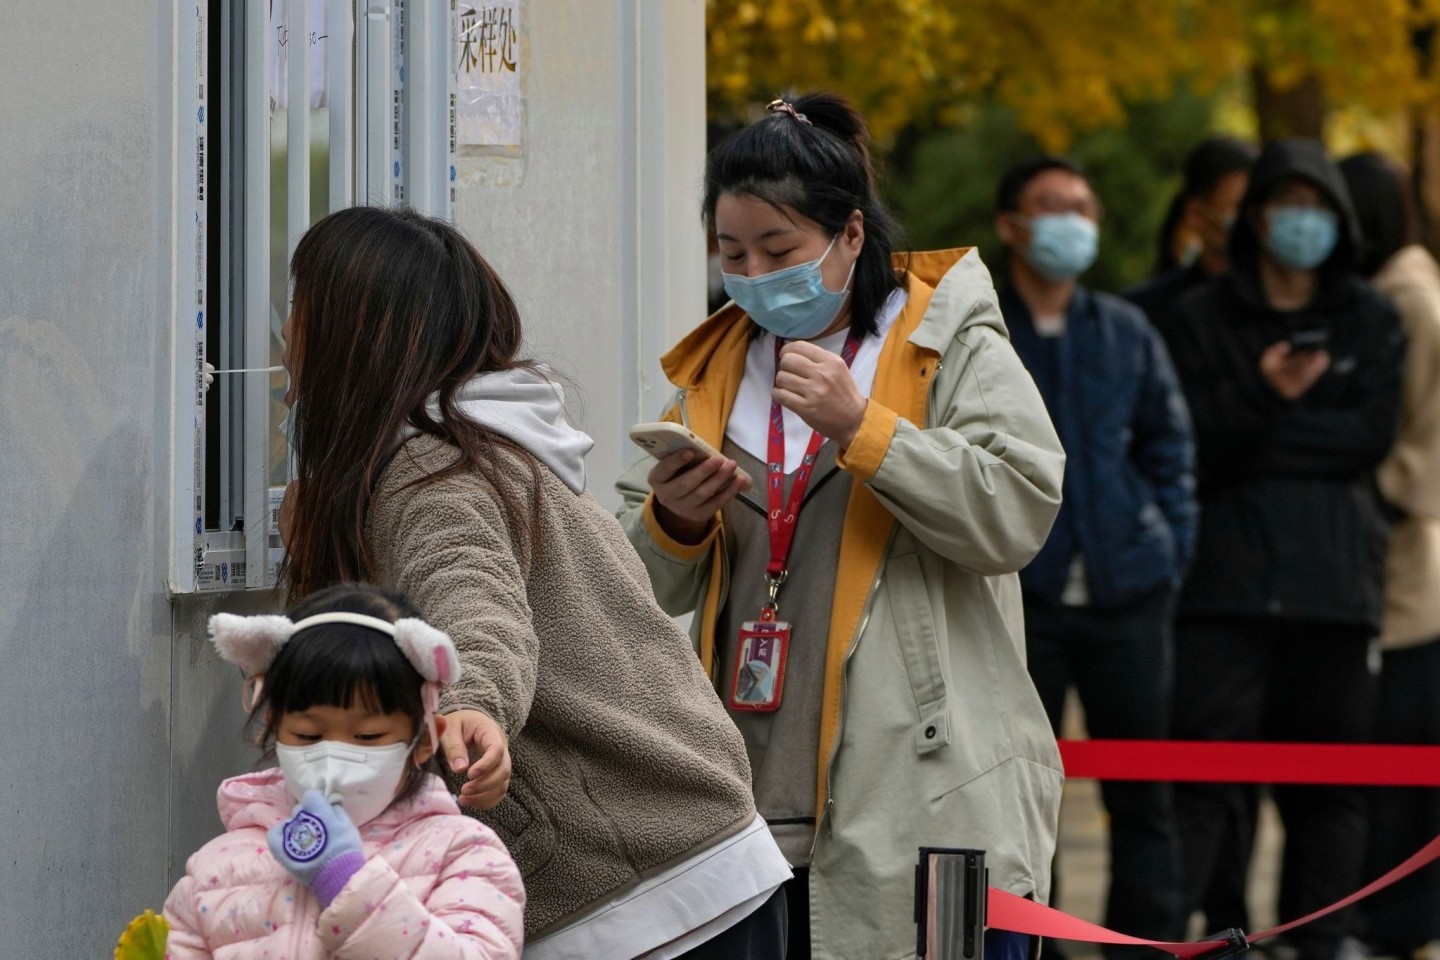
<point>624,759</point>
<point>1410,476</point>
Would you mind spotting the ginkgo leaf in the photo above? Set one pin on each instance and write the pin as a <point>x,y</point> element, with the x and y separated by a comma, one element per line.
<point>144,939</point>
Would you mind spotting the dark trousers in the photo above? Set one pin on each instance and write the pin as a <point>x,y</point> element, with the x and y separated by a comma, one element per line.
<point>1120,662</point>
<point>1404,819</point>
<point>760,936</point>
<point>1285,681</point>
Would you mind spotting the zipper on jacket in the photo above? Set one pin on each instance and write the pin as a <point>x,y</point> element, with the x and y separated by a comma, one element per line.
<point>855,642</point>
<point>719,605</point>
<point>930,394</point>
<point>844,691</point>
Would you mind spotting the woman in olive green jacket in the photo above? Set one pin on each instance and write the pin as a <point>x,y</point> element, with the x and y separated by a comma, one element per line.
<point>907,718</point>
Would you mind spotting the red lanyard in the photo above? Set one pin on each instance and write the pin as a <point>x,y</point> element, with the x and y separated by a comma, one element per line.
<point>782,515</point>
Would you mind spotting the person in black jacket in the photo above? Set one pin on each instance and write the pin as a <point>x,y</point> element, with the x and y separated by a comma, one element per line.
<point>1292,368</point>
<point>1194,239</point>
<point>1193,247</point>
<point>1099,596</point>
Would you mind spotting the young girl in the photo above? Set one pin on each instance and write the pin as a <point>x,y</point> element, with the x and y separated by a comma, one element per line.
<point>375,859</point>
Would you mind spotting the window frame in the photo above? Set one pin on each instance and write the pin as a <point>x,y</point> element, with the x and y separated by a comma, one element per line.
<point>224,509</point>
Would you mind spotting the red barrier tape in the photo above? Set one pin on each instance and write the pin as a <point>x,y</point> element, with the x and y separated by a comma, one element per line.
<point>1219,762</point>
<point>1018,915</point>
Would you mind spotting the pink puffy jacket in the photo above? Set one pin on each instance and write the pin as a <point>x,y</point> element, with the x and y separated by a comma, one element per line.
<point>436,885</point>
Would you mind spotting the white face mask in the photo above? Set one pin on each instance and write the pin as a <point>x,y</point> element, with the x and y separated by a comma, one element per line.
<point>363,780</point>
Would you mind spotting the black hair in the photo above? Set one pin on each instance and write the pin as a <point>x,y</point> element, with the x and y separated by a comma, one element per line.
<point>1384,206</point>
<point>1014,180</point>
<point>343,664</point>
<point>1165,246</point>
<point>822,170</point>
<point>1211,161</point>
<point>1208,162</point>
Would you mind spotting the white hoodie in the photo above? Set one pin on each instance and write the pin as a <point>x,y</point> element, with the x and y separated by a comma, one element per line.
<point>527,406</point>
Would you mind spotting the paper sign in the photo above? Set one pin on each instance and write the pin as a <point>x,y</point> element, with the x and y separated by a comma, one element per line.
<point>283,40</point>
<point>490,109</point>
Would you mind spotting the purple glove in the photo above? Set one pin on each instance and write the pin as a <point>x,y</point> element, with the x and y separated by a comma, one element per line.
<point>318,845</point>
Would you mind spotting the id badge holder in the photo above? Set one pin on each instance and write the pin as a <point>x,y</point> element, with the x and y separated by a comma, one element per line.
<point>761,652</point>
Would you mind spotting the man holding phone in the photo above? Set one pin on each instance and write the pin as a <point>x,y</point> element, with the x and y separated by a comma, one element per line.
<point>1292,368</point>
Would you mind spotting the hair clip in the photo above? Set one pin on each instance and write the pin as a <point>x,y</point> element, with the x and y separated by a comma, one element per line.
<point>780,106</point>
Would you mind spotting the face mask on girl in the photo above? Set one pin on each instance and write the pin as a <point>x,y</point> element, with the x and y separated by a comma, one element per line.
<point>1062,245</point>
<point>361,779</point>
<point>791,303</point>
<point>1302,238</point>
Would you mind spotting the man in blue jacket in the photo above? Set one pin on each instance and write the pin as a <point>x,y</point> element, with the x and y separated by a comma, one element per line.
<point>1099,596</point>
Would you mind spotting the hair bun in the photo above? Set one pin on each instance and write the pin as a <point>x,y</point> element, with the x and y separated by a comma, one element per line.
<point>835,115</point>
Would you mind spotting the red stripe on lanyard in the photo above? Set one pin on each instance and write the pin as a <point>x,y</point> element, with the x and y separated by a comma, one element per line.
<point>783,514</point>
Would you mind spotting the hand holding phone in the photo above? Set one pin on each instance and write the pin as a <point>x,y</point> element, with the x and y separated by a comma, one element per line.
<point>1309,341</point>
<point>1291,372</point>
<point>692,480</point>
<point>660,440</point>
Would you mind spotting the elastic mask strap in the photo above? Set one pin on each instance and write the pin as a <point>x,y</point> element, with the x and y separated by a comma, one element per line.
<point>251,690</point>
<point>430,698</point>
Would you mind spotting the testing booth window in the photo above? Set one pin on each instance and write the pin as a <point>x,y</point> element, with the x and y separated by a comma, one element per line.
<point>301,108</point>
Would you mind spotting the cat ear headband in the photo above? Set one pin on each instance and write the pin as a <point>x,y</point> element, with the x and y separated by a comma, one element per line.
<point>251,643</point>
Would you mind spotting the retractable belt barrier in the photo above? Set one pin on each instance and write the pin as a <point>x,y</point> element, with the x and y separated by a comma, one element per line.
<point>1219,762</point>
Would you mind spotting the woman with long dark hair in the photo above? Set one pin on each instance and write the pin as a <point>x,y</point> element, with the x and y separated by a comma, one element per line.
<point>433,458</point>
<point>859,610</point>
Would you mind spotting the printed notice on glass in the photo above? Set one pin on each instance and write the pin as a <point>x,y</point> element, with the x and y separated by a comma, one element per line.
<point>312,40</point>
<point>488,41</point>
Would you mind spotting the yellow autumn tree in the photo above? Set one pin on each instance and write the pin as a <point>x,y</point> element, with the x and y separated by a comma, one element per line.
<point>1070,65</point>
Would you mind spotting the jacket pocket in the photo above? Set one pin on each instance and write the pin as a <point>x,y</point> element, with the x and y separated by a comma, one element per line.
<point>524,824</point>
<point>920,645</point>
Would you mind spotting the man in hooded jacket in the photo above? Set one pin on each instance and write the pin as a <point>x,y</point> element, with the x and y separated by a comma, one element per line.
<point>1292,369</point>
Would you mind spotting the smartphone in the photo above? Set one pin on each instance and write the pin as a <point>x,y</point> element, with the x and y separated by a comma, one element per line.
<point>662,439</point>
<point>1309,341</point>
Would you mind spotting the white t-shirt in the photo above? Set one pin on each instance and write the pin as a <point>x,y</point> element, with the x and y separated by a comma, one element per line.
<point>673,913</point>
<point>1048,327</point>
<point>749,426</point>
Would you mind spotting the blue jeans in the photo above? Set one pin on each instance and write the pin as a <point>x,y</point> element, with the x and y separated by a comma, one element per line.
<point>1004,945</point>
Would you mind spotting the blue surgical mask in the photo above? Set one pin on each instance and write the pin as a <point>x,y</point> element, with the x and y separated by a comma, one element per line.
<point>1302,238</point>
<point>1062,245</point>
<point>791,303</point>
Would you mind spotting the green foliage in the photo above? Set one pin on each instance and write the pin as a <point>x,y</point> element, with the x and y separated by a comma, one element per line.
<point>942,183</point>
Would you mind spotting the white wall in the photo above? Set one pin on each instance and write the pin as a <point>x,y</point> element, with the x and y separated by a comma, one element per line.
<point>600,242</point>
<point>116,721</point>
